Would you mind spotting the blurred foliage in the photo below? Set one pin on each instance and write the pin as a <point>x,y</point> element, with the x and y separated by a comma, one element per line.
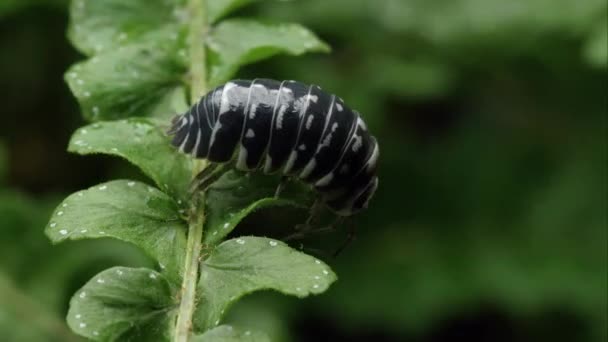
<point>490,220</point>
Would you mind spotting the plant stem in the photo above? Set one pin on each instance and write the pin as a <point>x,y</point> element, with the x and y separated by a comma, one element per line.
<point>198,72</point>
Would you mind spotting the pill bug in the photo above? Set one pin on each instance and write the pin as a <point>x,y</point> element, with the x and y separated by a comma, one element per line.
<point>288,127</point>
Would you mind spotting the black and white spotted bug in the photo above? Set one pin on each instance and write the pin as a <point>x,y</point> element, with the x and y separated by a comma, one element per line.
<point>288,127</point>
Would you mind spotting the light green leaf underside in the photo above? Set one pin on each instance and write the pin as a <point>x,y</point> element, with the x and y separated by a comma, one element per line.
<point>143,79</point>
<point>129,211</point>
<point>227,333</point>
<point>236,195</point>
<point>596,47</point>
<point>217,9</point>
<point>124,304</point>
<point>238,42</point>
<point>141,143</point>
<point>247,264</point>
<point>98,26</point>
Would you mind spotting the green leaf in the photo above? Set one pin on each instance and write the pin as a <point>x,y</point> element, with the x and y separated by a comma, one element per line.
<point>227,333</point>
<point>596,47</point>
<point>141,143</point>
<point>240,266</point>
<point>125,304</point>
<point>126,210</point>
<point>238,42</point>
<point>236,195</point>
<point>3,162</point>
<point>217,9</point>
<point>103,25</point>
<point>143,79</point>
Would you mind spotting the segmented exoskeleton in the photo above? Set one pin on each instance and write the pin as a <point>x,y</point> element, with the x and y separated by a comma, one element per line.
<point>288,127</point>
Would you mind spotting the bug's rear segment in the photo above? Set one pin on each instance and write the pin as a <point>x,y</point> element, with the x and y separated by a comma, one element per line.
<point>286,126</point>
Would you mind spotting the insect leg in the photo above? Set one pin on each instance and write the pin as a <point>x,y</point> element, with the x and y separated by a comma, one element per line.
<point>208,176</point>
<point>281,186</point>
<point>350,236</point>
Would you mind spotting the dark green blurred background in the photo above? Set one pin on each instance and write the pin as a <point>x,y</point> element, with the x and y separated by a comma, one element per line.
<point>490,223</point>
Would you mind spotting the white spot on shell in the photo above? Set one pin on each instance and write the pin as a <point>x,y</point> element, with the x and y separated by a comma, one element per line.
<point>78,316</point>
<point>358,143</point>
<point>131,184</point>
<point>63,232</point>
<point>325,180</point>
<point>325,272</point>
<point>247,333</point>
<point>152,275</point>
<point>315,286</point>
<point>280,115</point>
<point>101,280</point>
<point>272,243</point>
<point>64,205</point>
<point>240,241</point>
<point>226,225</point>
<point>82,294</point>
<point>87,94</point>
<point>103,187</point>
<point>80,81</point>
<point>60,213</point>
<point>83,231</point>
<point>53,224</point>
<point>317,262</point>
<point>309,121</point>
<point>96,333</point>
<point>317,277</point>
<point>82,325</point>
<point>119,272</point>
